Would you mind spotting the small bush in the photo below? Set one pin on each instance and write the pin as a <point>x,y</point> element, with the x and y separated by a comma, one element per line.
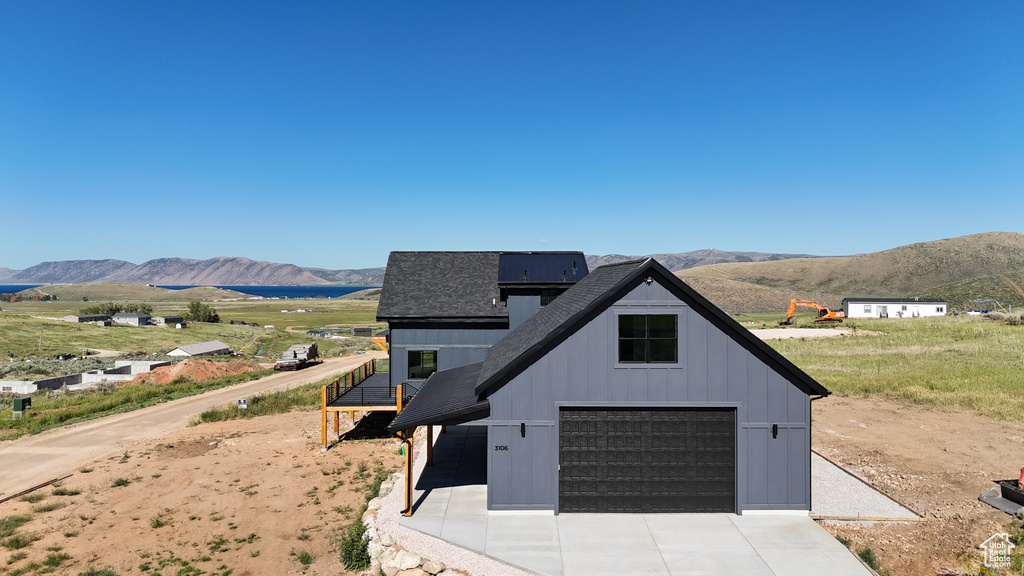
<point>303,556</point>
<point>48,507</point>
<point>53,560</point>
<point>9,524</point>
<point>19,541</point>
<point>354,553</point>
<point>32,498</point>
<point>156,522</point>
<point>121,482</point>
<point>868,556</point>
<point>66,492</point>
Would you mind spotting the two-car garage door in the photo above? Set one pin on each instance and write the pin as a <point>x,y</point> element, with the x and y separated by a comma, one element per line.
<point>647,460</point>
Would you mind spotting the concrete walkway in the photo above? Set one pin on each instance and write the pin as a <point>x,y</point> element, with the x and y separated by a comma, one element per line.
<point>451,503</point>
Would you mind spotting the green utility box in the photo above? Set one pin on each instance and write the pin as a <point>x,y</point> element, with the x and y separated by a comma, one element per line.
<point>22,404</point>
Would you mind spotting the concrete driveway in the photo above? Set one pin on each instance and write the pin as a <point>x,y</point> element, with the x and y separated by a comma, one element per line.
<point>451,503</point>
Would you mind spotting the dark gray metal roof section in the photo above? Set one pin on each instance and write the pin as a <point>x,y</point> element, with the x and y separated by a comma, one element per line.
<point>541,267</point>
<point>441,286</point>
<point>592,295</point>
<point>895,300</point>
<point>446,397</point>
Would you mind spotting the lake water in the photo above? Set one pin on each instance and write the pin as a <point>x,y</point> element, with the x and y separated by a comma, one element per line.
<point>265,291</point>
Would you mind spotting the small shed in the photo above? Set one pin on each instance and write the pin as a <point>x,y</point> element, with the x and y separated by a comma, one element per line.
<point>167,320</point>
<point>363,331</point>
<point>211,348</point>
<point>82,318</point>
<point>132,318</point>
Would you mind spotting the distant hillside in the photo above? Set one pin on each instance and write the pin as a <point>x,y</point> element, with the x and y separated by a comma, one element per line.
<point>989,265</point>
<point>222,271</point>
<point>115,292</point>
<point>686,260</point>
<point>6,273</point>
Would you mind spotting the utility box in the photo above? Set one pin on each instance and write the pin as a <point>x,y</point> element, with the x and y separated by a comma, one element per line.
<point>22,404</point>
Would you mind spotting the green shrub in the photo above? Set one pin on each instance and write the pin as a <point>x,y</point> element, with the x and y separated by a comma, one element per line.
<point>19,541</point>
<point>868,556</point>
<point>354,553</point>
<point>303,556</point>
<point>9,524</point>
<point>54,559</point>
<point>121,482</point>
<point>48,507</point>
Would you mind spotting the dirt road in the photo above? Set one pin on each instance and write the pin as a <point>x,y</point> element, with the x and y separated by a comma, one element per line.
<point>31,460</point>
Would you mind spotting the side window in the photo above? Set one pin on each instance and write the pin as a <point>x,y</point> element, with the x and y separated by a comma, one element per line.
<point>867,308</point>
<point>648,338</point>
<point>422,363</point>
<point>939,309</point>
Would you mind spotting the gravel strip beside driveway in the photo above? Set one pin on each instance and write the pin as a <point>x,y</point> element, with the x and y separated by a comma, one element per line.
<point>836,492</point>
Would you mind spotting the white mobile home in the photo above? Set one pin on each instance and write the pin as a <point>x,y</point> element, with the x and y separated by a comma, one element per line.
<point>893,307</point>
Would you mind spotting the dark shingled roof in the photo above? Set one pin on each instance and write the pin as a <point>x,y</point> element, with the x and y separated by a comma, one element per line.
<point>541,267</point>
<point>446,397</point>
<point>596,292</point>
<point>553,321</point>
<point>441,285</point>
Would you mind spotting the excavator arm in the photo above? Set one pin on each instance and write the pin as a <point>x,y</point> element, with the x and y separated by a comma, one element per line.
<point>825,316</point>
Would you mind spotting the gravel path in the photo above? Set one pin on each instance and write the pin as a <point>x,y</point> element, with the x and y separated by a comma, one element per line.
<point>785,333</point>
<point>430,547</point>
<point>836,492</point>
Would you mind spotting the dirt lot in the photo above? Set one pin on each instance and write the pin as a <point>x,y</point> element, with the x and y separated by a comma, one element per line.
<point>935,462</point>
<point>238,497</point>
<point>242,496</point>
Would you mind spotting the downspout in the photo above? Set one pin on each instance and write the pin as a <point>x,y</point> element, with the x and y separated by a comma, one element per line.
<point>405,436</point>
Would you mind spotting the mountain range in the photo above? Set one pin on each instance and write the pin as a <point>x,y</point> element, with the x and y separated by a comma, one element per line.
<point>988,265</point>
<point>237,271</point>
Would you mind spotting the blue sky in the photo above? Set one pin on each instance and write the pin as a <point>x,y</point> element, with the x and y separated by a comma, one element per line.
<point>330,133</point>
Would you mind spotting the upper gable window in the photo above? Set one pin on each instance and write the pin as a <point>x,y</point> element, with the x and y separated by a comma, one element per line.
<point>648,338</point>
<point>422,363</point>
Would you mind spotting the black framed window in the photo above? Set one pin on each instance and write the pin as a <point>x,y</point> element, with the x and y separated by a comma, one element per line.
<point>648,338</point>
<point>422,363</point>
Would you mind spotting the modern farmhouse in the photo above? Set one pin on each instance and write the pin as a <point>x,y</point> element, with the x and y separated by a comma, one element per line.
<point>629,392</point>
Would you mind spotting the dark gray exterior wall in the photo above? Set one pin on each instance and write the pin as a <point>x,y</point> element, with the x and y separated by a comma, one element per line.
<point>520,308</point>
<point>455,347</point>
<point>713,371</point>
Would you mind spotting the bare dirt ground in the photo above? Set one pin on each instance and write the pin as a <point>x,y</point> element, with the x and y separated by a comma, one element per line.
<point>784,333</point>
<point>936,462</point>
<point>242,497</point>
<point>30,460</point>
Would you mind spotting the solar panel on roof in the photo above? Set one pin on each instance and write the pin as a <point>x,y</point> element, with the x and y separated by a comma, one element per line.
<point>541,267</point>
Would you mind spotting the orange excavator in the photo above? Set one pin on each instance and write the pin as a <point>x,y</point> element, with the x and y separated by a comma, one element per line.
<point>825,316</point>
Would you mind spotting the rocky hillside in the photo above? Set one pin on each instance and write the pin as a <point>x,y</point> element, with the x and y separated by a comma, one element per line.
<point>687,260</point>
<point>989,265</point>
<point>223,271</point>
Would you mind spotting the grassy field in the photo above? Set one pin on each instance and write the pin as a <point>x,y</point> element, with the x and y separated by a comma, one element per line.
<point>955,362</point>
<point>52,410</point>
<point>22,322</point>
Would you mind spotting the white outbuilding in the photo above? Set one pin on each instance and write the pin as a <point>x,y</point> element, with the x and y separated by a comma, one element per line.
<point>893,307</point>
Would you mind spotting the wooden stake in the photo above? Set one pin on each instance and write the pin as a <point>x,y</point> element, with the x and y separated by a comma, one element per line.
<point>430,445</point>
<point>323,417</point>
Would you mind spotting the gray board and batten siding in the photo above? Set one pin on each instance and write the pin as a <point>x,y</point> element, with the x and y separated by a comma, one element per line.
<point>713,371</point>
